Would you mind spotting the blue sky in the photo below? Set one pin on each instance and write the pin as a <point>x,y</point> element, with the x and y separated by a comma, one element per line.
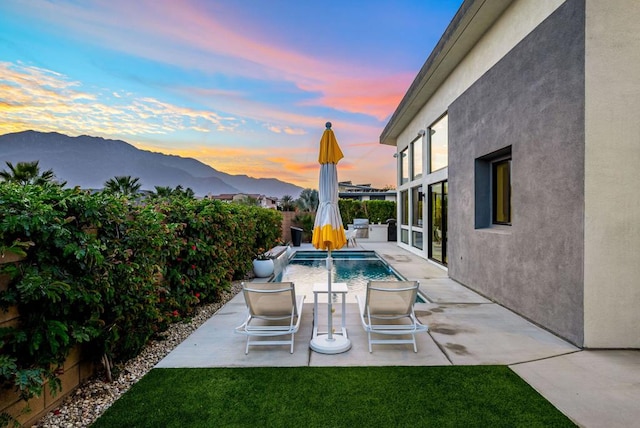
<point>245,86</point>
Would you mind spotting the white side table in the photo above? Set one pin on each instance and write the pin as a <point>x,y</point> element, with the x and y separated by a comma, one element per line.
<point>337,288</point>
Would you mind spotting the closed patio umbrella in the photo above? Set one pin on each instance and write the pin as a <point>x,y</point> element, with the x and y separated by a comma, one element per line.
<point>328,232</point>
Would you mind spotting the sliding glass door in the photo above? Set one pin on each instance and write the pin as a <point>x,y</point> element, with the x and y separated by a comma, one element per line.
<point>438,222</point>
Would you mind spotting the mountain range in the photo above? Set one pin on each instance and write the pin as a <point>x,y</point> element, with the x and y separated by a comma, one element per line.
<point>88,162</point>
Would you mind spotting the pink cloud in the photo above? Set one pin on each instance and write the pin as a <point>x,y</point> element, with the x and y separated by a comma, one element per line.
<point>187,35</point>
<point>378,96</point>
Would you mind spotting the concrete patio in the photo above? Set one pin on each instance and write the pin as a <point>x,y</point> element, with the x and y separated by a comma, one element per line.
<point>593,388</point>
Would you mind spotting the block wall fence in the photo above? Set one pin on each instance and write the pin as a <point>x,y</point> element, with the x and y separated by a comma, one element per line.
<point>72,373</point>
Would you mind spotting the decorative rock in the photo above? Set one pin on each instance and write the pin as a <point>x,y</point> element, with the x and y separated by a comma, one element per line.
<point>95,396</point>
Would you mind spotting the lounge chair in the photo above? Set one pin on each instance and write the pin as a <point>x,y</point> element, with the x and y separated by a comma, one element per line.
<point>387,309</point>
<point>273,310</point>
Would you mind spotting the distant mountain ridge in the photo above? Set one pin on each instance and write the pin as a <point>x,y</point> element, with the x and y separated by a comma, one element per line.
<point>88,162</point>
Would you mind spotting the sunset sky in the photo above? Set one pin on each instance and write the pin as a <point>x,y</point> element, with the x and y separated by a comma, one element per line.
<point>245,86</point>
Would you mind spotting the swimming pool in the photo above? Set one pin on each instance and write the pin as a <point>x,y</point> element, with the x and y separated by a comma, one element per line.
<point>355,268</point>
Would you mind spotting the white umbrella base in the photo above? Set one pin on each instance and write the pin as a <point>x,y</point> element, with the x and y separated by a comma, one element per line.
<point>323,345</point>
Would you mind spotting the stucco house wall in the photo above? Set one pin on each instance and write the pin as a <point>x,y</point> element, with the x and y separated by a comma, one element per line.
<point>557,83</point>
<point>459,72</point>
<point>457,68</point>
<point>532,100</point>
<point>612,174</point>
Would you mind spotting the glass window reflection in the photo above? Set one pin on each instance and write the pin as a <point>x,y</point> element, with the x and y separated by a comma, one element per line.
<point>439,144</point>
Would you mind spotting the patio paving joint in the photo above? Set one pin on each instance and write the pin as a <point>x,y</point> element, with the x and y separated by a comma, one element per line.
<point>441,347</point>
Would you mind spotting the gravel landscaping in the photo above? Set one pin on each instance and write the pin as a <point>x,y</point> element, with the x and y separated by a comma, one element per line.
<point>91,399</point>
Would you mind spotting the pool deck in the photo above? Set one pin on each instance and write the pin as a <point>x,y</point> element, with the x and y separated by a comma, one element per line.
<point>592,387</point>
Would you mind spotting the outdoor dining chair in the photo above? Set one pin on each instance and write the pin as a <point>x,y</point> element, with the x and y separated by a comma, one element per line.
<point>387,309</point>
<point>273,310</point>
<point>351,235</point>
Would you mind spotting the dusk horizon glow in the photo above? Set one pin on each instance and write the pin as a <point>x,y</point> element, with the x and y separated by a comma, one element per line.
<point>245,87</point>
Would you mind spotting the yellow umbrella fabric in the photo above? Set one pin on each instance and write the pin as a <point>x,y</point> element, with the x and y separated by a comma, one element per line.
<point>329,149</point>
<point>328,232</point>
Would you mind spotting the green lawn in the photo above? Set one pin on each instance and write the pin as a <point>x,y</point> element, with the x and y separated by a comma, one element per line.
<point>454,396</point>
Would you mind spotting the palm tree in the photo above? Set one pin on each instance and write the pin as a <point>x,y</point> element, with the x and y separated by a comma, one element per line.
<point>287,203</point>
<point>27,173</point>
<point>308,200</point>
<point>189,193</point>
<point>179,191</point>
<point>123,185</point>
<point>164,191</point>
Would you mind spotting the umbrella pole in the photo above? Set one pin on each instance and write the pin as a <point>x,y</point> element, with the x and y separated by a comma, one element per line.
<point>330,343</point>
<point>329,268</point>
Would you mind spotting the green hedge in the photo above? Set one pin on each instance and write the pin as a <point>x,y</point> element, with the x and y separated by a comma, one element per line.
<point>108,273</point>
<point>375,211</point>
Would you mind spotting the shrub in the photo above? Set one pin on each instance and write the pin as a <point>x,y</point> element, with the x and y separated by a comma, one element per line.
<point>107,273</point>
<point>379,211</point>
<point>305,221</point>
<point>350,209</point>
<point>375,211</point>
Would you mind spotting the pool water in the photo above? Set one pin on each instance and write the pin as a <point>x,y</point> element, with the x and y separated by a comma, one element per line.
<point>355,268</point>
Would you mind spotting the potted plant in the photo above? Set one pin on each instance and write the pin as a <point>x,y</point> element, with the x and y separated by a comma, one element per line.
<point>263,264</point>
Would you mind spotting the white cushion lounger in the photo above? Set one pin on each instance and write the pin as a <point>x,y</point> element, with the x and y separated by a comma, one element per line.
<point>387,309</point>
<point>273,310</point>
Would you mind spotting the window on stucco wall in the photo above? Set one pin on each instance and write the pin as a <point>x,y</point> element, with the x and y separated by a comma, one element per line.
<point>501,191</point>
<point>493,189</point>
<point>404,207</point>
<point>416,159</point>
<point>439,144</point>
<point>404,166</point>
<point>416,196</point>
